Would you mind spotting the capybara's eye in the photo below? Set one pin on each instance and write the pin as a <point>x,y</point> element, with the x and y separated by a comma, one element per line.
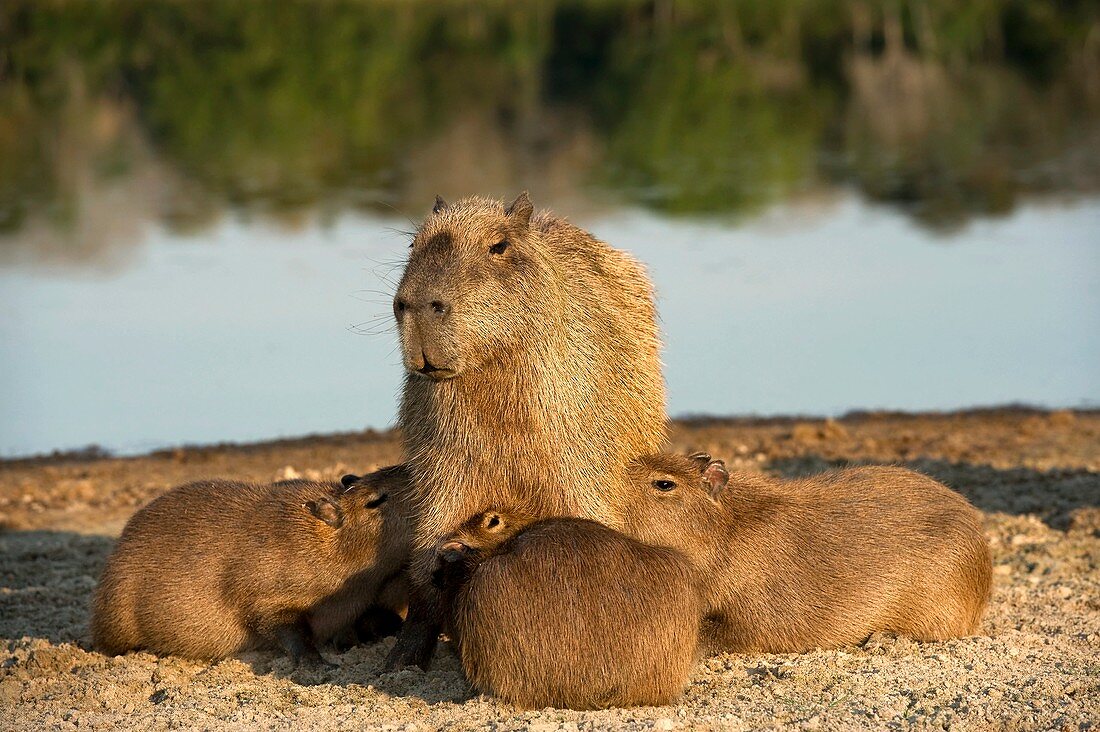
<point>664,485</point>
<point>499,247</point>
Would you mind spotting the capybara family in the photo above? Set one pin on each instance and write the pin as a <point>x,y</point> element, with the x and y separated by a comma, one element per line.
<point>821,562</point>
<point>569,571</point>
<point>568,613</point>
<point>213,568</point>
<point>533,374</point>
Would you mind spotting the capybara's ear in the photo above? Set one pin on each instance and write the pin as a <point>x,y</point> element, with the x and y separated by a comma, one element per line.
<point>453,551</point>
<point>701,460</point>
<point>492,521</point>
<point>327,511</point>
<point>715,478</point>
<point>349,480</point>
<point>440,204</point>
<point>520,210</point>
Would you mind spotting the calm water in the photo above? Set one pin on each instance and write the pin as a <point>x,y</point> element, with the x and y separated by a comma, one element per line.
<point>203,207</point>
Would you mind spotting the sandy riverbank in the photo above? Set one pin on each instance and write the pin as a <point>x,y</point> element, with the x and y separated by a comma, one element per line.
<point>1036,475</point>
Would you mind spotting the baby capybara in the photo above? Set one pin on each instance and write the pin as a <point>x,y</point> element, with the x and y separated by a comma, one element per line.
<point>568,613</point>
<point>213,568</point>
<point>821,562</point>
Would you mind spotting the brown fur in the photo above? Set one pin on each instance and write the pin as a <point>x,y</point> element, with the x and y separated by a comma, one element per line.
<point>213,568</point>
<point>821,562</point>
<point>533,371</point>
<point>569,613</point>
<point>554,354</point>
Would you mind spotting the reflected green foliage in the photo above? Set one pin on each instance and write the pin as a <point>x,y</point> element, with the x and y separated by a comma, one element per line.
<point>280,106</point>
<point>951,108</point>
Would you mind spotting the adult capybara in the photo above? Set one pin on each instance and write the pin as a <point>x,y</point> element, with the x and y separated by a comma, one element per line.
<point>213,568</point>
<point>820,562</point>
<point>566,612</point>
<point>533,373</point>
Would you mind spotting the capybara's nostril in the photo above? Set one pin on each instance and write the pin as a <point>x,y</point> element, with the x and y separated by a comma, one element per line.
<point>440,308</point>
<point>399,306</point>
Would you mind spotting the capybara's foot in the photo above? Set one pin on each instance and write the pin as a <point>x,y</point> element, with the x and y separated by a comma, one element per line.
<point>296,639</point>
<point>377,623</point>
<point>415,646</point>
<point>345,640</point>
<point>313,659</point>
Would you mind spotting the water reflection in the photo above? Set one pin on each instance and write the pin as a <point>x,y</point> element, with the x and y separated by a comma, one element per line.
<point>198,199</point>
<point>182,110</point>
<point>818,307</point>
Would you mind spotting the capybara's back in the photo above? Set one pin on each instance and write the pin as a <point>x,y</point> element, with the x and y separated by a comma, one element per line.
<point>213,568</point>
<point>851,553</point>
<point>160,589</point>
<point>569,613</point>
<point>939,570</point>
<point>820,562</point>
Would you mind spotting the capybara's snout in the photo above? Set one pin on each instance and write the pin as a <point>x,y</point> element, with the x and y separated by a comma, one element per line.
<point>425,326</point>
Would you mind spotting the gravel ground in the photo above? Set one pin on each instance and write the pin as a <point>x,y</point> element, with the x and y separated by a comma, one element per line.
<point>1036,665</point>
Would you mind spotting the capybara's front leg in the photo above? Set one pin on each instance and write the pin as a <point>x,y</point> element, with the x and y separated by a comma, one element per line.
<point>416,642</point>
<point>296,638</point>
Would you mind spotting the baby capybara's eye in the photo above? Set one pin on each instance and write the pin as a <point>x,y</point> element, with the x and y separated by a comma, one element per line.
<point>664,485</point>
<point>499,247</point>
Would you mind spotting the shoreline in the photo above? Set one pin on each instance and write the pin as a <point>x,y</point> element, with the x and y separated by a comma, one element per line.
<point>94,451</point>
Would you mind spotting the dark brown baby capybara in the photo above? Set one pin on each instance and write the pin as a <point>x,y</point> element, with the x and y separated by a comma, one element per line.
<point>213,568</point>
<point>821,562</point>
<point>568,613</point>
<point>533,374</point>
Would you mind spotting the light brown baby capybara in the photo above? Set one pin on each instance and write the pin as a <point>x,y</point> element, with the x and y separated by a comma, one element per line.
<point>566,612</point>
<point>820,562</point>
<point>213,568</point>
<point>533,374</point>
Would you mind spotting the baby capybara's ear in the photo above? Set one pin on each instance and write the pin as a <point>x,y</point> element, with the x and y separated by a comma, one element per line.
<point>701,460</point>
<point>327,511</point>
<point>451,569</point>
<point>440,204</point>
<point>349,480</point>
<point>492,521</point>
<point>453,551</point>
<point>715,478</point>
